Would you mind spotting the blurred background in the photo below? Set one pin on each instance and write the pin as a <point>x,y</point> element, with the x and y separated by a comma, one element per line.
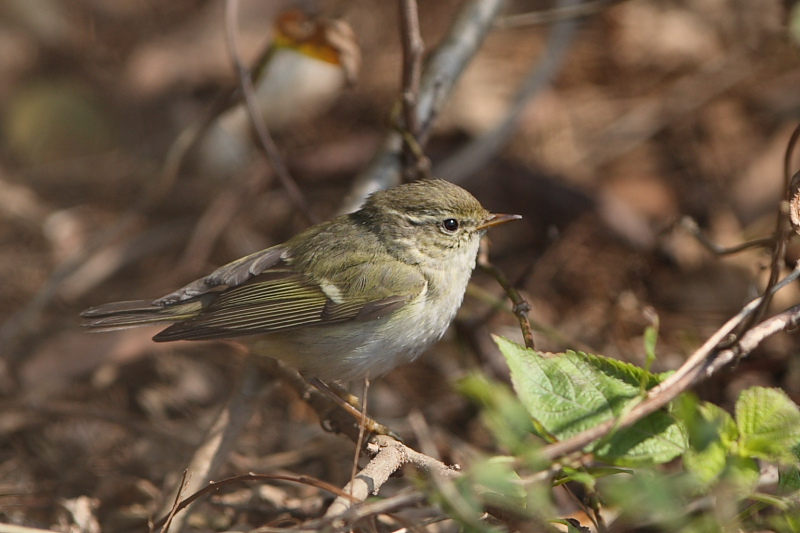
<point>654,110</point>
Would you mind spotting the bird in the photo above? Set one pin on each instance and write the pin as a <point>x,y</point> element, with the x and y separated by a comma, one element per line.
<point>346,299</point>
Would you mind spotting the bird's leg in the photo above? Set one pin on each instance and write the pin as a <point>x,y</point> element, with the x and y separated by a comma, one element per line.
<point>338,394</point>
<point>351,404</point>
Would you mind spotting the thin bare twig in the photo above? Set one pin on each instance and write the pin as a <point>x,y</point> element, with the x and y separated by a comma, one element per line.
<point>214,486</point>
<point>413,49</point>
<point>557,13</point>
<point>388,456</point>
<point>265,141</point>
<point>211,454</point>
<point>360,510</point>
<point>176,502</point>
<point>780,240</point>
<point>521,306</point>
<point>11,528</point>
<point>754,336</point>
<point>690,225</point>
<point>362,431</point>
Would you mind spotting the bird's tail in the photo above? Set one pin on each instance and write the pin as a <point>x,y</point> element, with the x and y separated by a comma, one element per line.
<point>123,315</point>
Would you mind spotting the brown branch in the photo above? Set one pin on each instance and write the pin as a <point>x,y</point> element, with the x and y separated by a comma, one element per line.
<point>214,486</point>
<point>690,225</point>
<point>780,241</point>
<point>413,50</point>
<point>265,142</point>
<point>389,455</point>
<point>176,502</point>
<point>349,516</point>
<point>557,13</point>
<point>781,322</point>
<point>521,306</point>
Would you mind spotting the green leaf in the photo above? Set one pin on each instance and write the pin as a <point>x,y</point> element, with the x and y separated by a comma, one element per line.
<point>726,429</point>
<point>650,338</point>
<point>650,496</point>
<point>705,423</point>
<point>712,434</point>
<point>571,392</point>
<point>741,474</point>
<point>498,483</point>
<point>769,425</point>
<point>789,480</point>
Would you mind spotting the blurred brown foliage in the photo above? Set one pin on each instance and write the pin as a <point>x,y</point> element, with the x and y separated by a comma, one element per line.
<point>661,108</point>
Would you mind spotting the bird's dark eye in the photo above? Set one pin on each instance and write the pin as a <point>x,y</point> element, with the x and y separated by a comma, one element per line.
<point>450,225</point>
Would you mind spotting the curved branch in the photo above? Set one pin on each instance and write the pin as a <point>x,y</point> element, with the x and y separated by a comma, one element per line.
<point>389,455</point>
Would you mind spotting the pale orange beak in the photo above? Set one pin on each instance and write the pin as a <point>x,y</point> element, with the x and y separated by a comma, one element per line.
<point>495,219</point>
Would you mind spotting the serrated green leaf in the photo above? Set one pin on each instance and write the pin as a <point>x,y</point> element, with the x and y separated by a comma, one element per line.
<point>769,425</point>
<point>574,391</point>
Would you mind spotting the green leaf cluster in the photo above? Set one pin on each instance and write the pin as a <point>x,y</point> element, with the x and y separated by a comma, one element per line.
<point>765,426</point>
<point>556,396</point>
<point>568,393</point>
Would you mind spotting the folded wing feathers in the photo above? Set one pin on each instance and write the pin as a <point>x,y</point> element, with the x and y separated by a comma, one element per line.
<point>230,302</point>
<point>231,275</point>
<point>122,315</point>
<point>259,317</point>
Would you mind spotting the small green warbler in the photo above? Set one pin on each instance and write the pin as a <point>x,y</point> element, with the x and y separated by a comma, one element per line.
<point>352,297</point>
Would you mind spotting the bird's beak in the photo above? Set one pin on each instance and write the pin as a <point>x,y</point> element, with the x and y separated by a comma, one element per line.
<point>495,219</point>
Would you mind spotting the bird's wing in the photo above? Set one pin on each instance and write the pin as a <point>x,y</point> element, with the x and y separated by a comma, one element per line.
<point>279,298</point>
<point>230,275</point>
